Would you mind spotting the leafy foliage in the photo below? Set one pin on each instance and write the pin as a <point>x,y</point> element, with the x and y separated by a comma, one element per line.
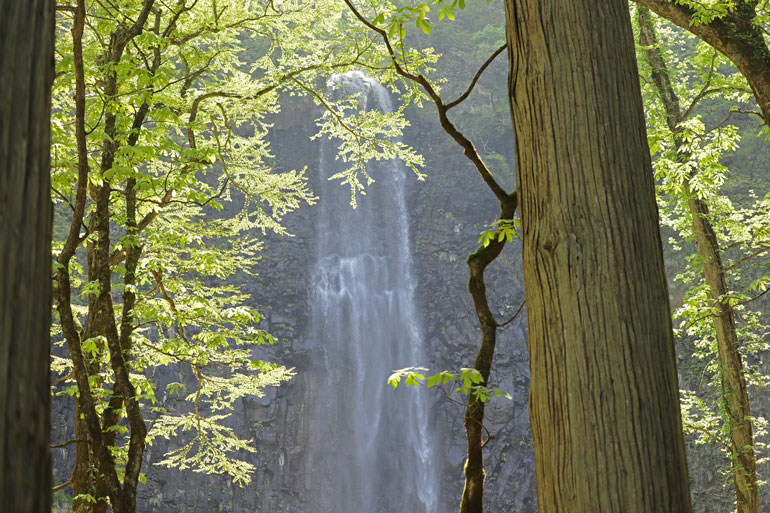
<point>187,108</point>
<point>468,381</point>
<point>690,164</point>
<point>503,229</point>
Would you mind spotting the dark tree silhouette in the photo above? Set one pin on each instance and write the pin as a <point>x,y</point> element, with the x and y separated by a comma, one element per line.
<point>26,68</point>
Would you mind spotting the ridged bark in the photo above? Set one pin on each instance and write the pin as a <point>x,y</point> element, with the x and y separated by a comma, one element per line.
<point>734,393</point>
<point>604,403</point>
<point>26,67</point>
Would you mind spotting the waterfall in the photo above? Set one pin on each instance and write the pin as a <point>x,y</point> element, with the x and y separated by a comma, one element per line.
<point>369,447</point>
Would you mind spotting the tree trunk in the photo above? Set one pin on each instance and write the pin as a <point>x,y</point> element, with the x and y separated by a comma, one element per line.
<point>473,492</point>
<point>604,401</point>
<point>26,65</point>
<point>84,467</point>
<point>734,35</point>
<point>733,394</point>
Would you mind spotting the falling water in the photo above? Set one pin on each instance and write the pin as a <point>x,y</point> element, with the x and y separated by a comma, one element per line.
<point>369,447</point>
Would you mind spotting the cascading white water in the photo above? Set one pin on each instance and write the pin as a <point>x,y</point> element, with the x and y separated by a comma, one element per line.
<point>370,448</point>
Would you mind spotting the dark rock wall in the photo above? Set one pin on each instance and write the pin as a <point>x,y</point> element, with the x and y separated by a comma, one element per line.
<point>448,210</point>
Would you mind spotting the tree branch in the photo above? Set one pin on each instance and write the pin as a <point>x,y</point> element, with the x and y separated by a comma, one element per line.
<point>516,314</point>
<point>468,148</point>
<point>476,77</point>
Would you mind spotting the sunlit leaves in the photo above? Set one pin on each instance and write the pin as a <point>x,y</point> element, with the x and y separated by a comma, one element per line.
<point>364,136</point>
<point>207,448</point>
<point>467,381</point>
<point>503,230</point>
<point>210,75</point>
<point>394,17</point>
<point>692,174</point>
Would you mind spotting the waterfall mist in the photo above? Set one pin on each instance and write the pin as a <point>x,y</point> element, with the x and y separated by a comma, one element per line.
<point>369,447</point>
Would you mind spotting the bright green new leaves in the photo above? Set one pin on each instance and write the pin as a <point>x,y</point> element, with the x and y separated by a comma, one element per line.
<point>205,451</point>
<point>705,11</point>
<point>364,136</point>
<point>503,230</point>
<point>208,77</point>
<point>465,382</point>
<point>693,163</point>
<point>393,17</point>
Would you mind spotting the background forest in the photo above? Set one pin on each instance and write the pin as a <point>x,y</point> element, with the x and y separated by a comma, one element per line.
<point>188,141</point>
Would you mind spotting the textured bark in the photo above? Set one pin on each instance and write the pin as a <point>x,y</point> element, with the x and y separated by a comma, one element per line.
<point>80,480</point>
<point>735,36</point>
<point>734,393</point>
<point>604,402</point>
<point>26,65</point>
<point>105,312</point>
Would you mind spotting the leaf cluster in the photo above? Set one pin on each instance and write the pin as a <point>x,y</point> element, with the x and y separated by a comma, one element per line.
<point>466,381</point>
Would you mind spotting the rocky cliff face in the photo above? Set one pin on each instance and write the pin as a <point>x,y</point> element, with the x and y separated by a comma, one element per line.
<point>447,212</point>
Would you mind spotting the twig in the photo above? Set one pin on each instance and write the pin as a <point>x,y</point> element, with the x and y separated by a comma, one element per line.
<point>516,314</point>
<point>747,257</point>
<point>68,442</point>
<point>753,298</point>
<point>476,77</point>
<point>468,147</point>
<point>708,433</point>
<point>63,378</point>
<point>61,486</point>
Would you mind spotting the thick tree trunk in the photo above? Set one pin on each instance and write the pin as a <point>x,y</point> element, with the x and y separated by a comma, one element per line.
<point>734,35</point>
<point>26,65</point>
<point>734,393</point>
<point>604,398</point>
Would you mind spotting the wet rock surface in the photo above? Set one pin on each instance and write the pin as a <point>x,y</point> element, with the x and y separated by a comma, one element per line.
<point>448,210</point>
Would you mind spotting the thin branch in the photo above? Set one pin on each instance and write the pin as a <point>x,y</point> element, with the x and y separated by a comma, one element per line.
<point>61,486</point>
<point>753,298</point>
<point>476,77</point>
<point>68,443</point>
<point>330,109</point>
<point>63,378</point>
<point>448,396</point>
<point>150,217</point>
<point>516,314</point>
<point>468,148</point>
<point>708,433</point>
<point>704,90</point>
<point>64,198</point>
<point>727,118</point>
<point>181,359</point>
<point>158,275</point>
<point>746,258</point>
